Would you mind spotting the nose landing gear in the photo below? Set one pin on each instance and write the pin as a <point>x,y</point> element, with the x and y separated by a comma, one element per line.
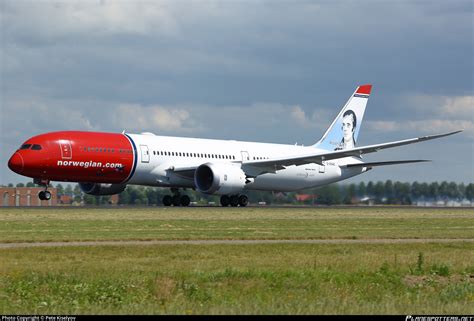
<point>43,195</point>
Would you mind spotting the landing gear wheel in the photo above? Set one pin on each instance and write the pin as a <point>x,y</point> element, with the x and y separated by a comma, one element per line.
<point>44,195</point>
<point>243,200</point>
<point>225,200</point>
<point>47,195</point>
<point>176,200</point>
<point>234,200</point>
<point>167,200</point>
<point>185,200</point>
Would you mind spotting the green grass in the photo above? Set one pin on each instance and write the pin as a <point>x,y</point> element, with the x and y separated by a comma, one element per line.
<point>33,225</point>
<point>239,279</point>
<point>412,278</point>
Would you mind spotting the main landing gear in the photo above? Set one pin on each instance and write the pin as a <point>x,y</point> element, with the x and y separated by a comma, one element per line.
<point>176,199</point>
<point>234,200</point>
<point>43,195</point>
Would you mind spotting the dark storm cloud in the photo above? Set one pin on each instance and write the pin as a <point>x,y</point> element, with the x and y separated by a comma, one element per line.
<point>272,71</point>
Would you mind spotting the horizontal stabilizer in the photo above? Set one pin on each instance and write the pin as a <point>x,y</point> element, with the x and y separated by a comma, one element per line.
<point>387,163</point>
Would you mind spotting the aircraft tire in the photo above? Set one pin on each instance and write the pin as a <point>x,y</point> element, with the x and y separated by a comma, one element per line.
<point>243,200</point>
<point>234,200</point>
<point>185,200</point>
<point>41,196</point>
<point>47,195</point>
<point>225,200</point>
<point>167,200</point>
<point>176,200</point>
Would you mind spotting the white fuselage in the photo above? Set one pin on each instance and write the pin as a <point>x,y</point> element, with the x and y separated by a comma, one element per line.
<point>157,156</point>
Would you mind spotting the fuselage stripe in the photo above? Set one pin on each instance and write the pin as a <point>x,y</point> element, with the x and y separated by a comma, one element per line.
<point>135,159</point>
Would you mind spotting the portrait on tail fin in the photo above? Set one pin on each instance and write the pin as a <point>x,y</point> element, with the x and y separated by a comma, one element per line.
<point>349,124</point>
<point>343,132</point>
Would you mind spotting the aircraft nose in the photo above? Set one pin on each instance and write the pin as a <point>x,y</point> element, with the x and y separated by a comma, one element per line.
<point>16,163</point>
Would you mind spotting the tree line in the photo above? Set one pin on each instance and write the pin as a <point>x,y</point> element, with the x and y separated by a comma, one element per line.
<point>380,192</point>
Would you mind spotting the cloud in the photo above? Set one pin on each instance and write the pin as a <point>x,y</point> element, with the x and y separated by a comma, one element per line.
<point>458,106</point>
<point>298,114</point>
<point>152,118</point>
<point>384,125</point>
<point>32,116</point>
<point>261,71</point>
<point>312,121</point>
<point>50,20</point>
<point>436,114</point>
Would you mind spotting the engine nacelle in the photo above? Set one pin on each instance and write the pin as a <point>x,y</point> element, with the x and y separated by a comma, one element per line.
<point>219,179</point>
<point>102,189</point>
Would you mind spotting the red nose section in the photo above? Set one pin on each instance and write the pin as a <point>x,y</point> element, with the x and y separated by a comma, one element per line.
<point>16,163</point>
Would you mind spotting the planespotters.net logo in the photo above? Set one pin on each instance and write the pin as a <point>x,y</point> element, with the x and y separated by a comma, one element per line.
<point>438,318</point>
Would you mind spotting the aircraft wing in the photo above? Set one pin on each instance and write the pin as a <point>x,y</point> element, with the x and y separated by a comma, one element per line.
<point>318,158</point>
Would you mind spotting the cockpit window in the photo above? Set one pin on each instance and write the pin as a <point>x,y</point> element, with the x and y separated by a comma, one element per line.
<point>36,147</point>
<point>25,146</point>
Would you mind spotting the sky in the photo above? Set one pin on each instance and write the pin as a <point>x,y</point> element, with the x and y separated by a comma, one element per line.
<point>270,71</point>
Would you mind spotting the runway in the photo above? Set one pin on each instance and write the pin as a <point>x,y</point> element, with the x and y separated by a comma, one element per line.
<point>229,242</point>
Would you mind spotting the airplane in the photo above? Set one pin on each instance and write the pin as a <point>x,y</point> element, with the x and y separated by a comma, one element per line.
<point>105,163</point>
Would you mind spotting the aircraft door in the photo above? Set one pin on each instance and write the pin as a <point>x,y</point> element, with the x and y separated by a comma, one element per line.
<point>145,154</point>
<point>245,156</point>
<point>66,149</point>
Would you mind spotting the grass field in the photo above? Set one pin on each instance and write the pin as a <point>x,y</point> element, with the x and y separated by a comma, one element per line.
<point>426,278</point>
<point>34,225</point>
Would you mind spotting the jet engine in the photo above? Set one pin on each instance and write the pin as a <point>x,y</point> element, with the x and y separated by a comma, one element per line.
<point>102,189</point>
<point>219,179</point>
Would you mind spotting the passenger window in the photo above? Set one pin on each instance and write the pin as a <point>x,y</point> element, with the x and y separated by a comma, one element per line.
<point>36,147</point>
